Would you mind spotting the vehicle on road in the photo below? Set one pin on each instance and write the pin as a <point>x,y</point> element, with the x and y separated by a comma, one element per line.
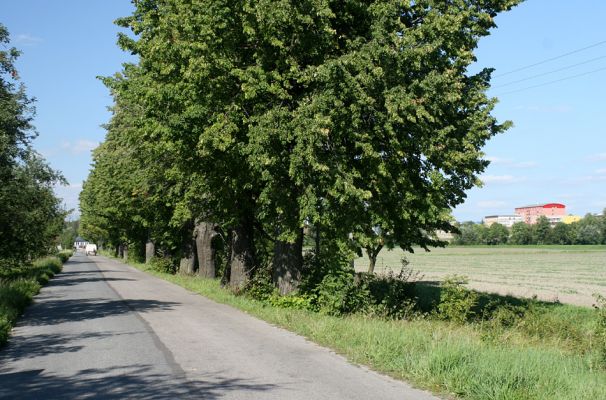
<point>91,249</point>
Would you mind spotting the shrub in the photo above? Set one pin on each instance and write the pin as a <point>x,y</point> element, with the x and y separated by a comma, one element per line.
<point>163,264</point>
<point>64,255</point>
<point>48,266</point>
<point>299,302</point>
<point>456,302</point>
<point>14,297</point>
<point>600,329</point>
<point>260,286</point>
<point>339,293</point>
<point>393,295</point>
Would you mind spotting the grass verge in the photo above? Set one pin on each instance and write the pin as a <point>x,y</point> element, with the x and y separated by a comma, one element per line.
<point>448,359</point>
<point>19,284</point>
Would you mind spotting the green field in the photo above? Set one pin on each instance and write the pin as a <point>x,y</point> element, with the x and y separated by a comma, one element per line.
<point>569,274</point>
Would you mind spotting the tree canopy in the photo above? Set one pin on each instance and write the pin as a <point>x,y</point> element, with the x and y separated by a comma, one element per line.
<point>31,216</point>
<point>358,118</point>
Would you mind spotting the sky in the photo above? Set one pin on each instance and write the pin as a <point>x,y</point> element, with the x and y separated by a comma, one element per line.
<point>550,79</point>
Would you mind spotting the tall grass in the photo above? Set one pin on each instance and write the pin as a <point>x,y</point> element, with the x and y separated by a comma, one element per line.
<point>540,358</point>
<point>18,285</point>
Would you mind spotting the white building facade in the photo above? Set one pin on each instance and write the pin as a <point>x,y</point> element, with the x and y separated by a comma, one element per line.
<point>505,220</point>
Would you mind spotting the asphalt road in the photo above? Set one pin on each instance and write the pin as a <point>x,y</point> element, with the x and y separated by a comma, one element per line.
<point>102,329</point>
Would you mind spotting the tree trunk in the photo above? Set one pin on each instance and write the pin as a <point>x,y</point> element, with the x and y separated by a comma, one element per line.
<point>150,251</point>
<point>187,264</point>
<point>205,233</point>
<point>372,257</point>
<point>372,260</point>
<point>125,252</point>
<point>287,264</point>
<point>242,255</point>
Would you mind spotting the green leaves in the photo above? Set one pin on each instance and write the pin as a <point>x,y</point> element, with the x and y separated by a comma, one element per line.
<point>30,214</point>
<point>356,115</point>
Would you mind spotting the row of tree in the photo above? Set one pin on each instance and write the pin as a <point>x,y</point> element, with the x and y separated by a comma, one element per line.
<point>245,123</point>
<point>31,216</point>
<point>589,230</point>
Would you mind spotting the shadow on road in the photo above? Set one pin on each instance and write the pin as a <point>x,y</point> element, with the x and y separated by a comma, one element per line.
<point>58,311</point>
<point>71,279</point>
<point>132,382</point>
<point>45,344</point>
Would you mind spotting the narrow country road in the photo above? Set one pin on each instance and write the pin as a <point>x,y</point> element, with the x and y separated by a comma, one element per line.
<point>102,329</point>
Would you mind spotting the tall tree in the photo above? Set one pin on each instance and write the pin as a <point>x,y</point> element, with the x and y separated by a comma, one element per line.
<point>356,117</point>
<point>31,216</point>
<point>521,233</point>
<point>541,230</point>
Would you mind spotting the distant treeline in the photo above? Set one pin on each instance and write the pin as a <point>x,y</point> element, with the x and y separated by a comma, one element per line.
<point>589,230</point>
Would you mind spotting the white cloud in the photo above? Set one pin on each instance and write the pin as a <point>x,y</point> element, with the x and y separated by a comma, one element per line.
<point>501,179</point>
<point>491,204</point>
<point>79,147</point>
<point>601,171</point>
<point>25,39</point>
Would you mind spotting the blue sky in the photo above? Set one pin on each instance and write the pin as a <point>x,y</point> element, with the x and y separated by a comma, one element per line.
<point>556,150</point>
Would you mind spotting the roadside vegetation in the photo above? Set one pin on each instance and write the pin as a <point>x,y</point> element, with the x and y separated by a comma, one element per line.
<point>19,283</point>
<point>31,216</point>
<point>254,152</point>
<point>443,338</point>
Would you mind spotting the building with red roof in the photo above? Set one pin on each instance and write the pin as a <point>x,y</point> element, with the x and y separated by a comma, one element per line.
<point>555,212</point>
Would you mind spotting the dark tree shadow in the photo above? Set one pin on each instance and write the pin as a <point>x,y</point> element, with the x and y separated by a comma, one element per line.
<point>129,382</point>
<point>58,311</point>
<point>70,280</point>
<point>45,344</point>
<point>428,294</point>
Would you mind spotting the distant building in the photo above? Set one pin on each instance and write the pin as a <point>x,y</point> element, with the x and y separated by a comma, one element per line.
<point>569,219</point>
<point>80,243</point>
<point>555,212</point>
<point>506,220</point>
<point>446,236</point>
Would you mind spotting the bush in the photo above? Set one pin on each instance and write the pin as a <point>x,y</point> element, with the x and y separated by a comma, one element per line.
<point>260,286</point>
<point>340,294</point>
<point>18,285</point>
<point>14,297</point>
<point>163,264</point>
<point>299,302</point>
<point>5,328</point>
<point>456,302</point>
<point>48,266</point>
<point>393,295</point>
<point>600,330</point>
<point>64,255</point>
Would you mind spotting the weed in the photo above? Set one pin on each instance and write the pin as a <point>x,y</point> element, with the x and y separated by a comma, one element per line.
<point>600,330</point>
<point>64,255</point>
<point>260,286</point>
<point>393,294</point>
<point>163,264</point>
<point>456,302</point>
<point>340,294</point>
<point>298,302</point>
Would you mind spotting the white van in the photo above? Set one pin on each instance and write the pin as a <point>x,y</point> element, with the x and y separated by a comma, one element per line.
<point>91,249</point>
